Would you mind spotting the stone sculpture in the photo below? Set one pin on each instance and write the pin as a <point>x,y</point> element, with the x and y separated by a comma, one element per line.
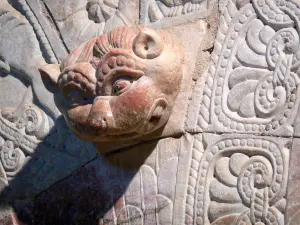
<point>29,122</point>
<point>197,110</point>
<point>119,86</point>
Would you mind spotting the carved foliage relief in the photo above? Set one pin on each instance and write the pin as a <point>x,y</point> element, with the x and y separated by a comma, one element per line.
<point>199,179</point>
<point>251,84</point>
<point>149,197</point>
<point>30,152</point>
<point>33,140</point>
<point>157,11</point>
<point>250,87</point>
<point>241,179</point>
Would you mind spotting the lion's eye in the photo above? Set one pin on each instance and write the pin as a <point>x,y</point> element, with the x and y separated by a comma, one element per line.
<point>120,85</point>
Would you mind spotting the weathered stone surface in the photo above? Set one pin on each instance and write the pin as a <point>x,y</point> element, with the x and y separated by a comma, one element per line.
<point>228,154</point>
<point>142,184</point>
<point>36,148</point>
<point>175,181</point>
<point>251,84</point>
<point>174,12</point>
<point>292,209</point>
<point>119,86</point>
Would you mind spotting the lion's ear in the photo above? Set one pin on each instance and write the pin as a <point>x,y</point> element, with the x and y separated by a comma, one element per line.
<point>49,74</point>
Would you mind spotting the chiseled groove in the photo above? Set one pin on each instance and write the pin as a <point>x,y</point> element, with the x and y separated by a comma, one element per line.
<point>42,38</point>
<point>56,26</point>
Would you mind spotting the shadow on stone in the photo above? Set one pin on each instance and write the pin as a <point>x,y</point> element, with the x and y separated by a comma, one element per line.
<point>47,191</point>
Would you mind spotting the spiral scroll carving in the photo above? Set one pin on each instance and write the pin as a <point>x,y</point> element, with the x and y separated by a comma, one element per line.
<point>255,69</point>
<point>158,10</point>
<point>12,158</point>
<point>243,176</point>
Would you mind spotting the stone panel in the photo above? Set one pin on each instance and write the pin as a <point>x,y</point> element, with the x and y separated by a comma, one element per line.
<point>169,12</point>
<point>228,155</point>
<point>145,184</point>
<point>201,179</point>
<point>37,149</point>
<point>292,209</point>
<point>251,84</point>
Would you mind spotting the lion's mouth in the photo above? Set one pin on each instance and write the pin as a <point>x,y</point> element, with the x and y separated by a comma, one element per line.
<point>96,134</point>
<point>92,131</point>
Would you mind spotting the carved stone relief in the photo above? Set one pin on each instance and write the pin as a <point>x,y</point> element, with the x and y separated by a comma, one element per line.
<point>119,86</point>
<point>241,179</point>
<point>251,85</point>
<point>151,196</point>
<point>202,179</point>
<point>199,119</point>
<point>78,21</point>
<point>123,87</point>
<point>160,11</point>
<point>30,130</point>
<point>35,142</point>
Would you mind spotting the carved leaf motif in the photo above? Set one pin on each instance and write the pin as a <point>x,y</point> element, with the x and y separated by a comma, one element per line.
<point>249,58</point>
<point>252,77</point>
<point>217,210</point>
<point>130,215</point>
<point>272,13</point>
<point>158,10</point>
<point>57,156</point>
<point>79,21</point>
<point>225,176</point>
<point>144,202</point>
<point>247,108</point>
<point>101,11</point>
<point>220,192</point>
<point>254,36</point>
<point>149,191</point>
<point>156,206</point>
<point>243,82</point>
<point>164,210</point>
<point>241,177</point>
<point>166,186</point>
<point>238,96</point>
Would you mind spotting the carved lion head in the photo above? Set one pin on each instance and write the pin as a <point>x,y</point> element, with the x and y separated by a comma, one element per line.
<point>118,86</point>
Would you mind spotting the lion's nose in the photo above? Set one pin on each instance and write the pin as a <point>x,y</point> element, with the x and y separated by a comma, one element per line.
<point>101,113</point>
